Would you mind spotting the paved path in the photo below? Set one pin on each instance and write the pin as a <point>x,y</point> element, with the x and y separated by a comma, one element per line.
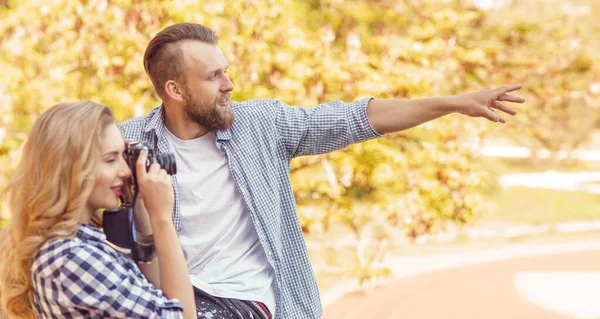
<point>564,285</point>
<point>569,181</point>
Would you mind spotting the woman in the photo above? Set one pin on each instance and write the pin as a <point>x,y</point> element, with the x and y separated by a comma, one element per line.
<point>55,263</point>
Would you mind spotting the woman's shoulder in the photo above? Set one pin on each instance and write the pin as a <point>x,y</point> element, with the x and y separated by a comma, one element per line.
<point>85,249</point>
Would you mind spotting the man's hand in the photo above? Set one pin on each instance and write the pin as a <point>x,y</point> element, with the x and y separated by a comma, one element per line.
<point>483,103</point>
<point>393,115</point>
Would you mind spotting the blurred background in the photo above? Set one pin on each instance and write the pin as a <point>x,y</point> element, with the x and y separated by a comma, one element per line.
<point>457,218</point>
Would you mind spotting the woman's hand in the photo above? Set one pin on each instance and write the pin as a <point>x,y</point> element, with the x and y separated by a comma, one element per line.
<point>156,189</point>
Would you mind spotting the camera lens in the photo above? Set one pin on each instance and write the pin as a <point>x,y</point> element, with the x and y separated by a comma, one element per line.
<point>167,162</point>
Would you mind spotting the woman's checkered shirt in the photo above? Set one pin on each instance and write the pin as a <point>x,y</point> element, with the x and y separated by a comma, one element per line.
<point>83,277</point>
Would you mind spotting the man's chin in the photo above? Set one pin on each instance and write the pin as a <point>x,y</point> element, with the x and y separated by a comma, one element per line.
<point>226,119</point>
<point>213,122</point>
<point>225,125</point>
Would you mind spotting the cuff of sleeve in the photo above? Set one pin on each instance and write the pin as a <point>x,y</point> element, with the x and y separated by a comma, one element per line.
<point>360,127</point>
<point>171,308</point>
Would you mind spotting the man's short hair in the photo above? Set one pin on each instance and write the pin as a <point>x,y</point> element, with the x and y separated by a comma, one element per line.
<point>164,59</point>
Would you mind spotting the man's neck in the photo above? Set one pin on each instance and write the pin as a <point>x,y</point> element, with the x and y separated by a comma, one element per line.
<point>180,125</point>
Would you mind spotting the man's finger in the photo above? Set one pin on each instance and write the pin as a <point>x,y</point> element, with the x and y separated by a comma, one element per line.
<point>499,106</point>
<point>511,98</point>
<point>493,116</point>
<point>508,88</point>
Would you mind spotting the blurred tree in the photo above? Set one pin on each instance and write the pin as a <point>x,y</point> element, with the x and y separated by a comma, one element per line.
<point>555,53</point>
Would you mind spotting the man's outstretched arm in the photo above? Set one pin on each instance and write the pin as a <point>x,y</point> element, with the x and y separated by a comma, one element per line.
<point>392,115</point>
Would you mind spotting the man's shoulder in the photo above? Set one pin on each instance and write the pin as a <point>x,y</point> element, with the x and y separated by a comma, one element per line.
<point>139,121</point>
<point>133,128</point>
<point>258,109</point>
<point>255,104</point>
<point>136,125</point>
<point>134,122</point>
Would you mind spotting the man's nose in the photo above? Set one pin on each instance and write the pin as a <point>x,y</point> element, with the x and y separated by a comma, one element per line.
<point>228,85</point>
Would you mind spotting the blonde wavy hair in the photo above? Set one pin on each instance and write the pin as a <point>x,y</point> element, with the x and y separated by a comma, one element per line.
<point>48,194</point>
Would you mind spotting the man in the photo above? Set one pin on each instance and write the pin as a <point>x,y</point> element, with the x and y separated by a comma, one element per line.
<point>234,201</point>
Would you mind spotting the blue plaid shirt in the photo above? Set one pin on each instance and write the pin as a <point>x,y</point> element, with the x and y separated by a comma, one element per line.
<point>83,277</point>
<point>265,136</point>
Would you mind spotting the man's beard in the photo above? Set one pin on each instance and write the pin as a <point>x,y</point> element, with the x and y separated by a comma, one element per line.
<point>207,113</point>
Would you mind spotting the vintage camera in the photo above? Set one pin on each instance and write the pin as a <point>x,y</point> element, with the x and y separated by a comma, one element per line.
<point>118,224</point>
<point>165,160</point>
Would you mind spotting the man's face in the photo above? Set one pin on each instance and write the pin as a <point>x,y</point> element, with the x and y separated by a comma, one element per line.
<point>208,89</point>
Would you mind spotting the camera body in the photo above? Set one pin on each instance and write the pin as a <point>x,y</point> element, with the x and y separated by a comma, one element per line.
<point>118,223</point>
<point>165,160</point>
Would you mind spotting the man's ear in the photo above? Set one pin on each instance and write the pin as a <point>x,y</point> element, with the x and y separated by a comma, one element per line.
<point>174,90</point>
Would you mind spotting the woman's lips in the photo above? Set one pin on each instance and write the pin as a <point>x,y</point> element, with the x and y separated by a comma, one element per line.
<point>117,190</point>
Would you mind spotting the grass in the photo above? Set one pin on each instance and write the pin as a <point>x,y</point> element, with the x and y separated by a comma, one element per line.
<point>523,205</point>
<point>523,165</point>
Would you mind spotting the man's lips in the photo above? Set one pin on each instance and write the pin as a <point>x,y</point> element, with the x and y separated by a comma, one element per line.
<point>224,101</point>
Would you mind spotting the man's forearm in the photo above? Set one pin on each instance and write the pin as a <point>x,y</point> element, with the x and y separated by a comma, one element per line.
<point>392,115</point>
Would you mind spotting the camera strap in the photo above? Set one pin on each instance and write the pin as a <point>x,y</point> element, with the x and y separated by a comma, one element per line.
<point>119,227</point>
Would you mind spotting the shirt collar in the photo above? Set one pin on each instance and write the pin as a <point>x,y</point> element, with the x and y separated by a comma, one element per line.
<point>156,122</point>
<point>89,232</point>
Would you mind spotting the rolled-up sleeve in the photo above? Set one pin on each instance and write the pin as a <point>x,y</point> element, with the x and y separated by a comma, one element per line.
<point>325,128</point>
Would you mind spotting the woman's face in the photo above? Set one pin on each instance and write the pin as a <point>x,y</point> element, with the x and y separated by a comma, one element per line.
<point>111,173</point>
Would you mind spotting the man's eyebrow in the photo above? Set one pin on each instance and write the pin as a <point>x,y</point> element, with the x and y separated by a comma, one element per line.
<point>218,69</point>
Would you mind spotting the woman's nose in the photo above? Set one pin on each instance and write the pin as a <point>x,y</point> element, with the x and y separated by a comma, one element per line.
<point>125,170</point>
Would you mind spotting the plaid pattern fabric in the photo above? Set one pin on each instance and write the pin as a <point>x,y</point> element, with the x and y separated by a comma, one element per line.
<point>82,277</point>
<point>265,136</point>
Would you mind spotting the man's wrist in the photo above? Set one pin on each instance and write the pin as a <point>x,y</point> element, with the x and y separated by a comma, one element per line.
<point>452,104</point>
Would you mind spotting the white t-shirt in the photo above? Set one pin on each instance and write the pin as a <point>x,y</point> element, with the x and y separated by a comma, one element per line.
<point>223,253</point>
